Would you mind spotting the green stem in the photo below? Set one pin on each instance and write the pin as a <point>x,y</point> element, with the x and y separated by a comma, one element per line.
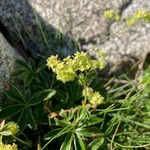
<point>27,143</point>
<point>85,97</point>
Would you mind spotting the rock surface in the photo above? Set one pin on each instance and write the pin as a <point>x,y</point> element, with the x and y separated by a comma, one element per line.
<point>79,20</point>
<point>8,56</point>
<point>128,41</point>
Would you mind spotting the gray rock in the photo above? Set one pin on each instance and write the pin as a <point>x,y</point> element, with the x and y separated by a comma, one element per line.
<point>126,43</point>
<point>8,56</point>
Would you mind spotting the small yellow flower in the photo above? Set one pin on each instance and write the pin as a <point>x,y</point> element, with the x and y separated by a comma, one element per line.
<point>87,92</point>
<point>12,127</point>
<point>93,97</point>
<point>64,73</point>
<point>52,62</point>
<point>96,98</point>
<point>8,146</point>
<point>100,64</point>
<point>66,69</point>
<point>82,61</point>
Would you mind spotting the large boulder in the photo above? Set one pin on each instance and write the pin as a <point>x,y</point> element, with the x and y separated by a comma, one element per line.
<point>81,21</point>
<point>8,56</point>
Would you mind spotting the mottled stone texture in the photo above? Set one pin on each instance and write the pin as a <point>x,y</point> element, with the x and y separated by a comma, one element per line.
<point>128,41</point>
<point>79,20</point>
<point>8,56</point>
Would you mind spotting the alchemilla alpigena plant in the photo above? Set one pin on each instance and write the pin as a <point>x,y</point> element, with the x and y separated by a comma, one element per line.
<point>79,67</point>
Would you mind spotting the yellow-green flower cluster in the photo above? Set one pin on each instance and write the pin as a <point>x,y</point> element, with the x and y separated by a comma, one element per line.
<point>8,146</point>
<point>112,14</point>
<point>102,63</point>
<point>137,16</point>
<point>93,97</point>
<point>52,61</point>
<point>64,69</point>
<point>12,127</point>
<point>82,61</point>
<point>67,68</point>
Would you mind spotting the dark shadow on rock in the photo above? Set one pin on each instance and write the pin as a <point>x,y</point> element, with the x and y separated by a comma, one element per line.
<point>126,69</point>
<point>28,32</point>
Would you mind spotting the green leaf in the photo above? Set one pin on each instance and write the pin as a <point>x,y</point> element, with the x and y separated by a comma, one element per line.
<point>40,67</point>
<point>11,110</point>
<point>92,121</point>
<point>31,120</point>
<point>22,120</point>
<point>78,143</point>
<point>62,123</point>
<point>70,115</point>
<point>91,75</point>
<point>5,133</point>
<point>52,133</point>
<point>73,91</point>
<point>63,114</point>
<point>62,132</point>
<point>51,94</point>
<point>97,143</point>
<point>66,145</point>
<point>24,64</point>
<point>32,64</point>
<point>15,95</point>
<point>29,79</point>
<point>17,73</point>
<point>88,132</point>
<point>39,97</point>
<point>83,113</point>
<point>11,128</point>
<point>36,78</point>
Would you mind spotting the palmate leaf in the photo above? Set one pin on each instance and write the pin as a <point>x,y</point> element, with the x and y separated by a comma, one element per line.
<point>65,130</point>
<point>88,132</point>
<point>92,121</point>
<point>18,72</point>
<point>73,91</point>
<point>15,94</point>
<point>24,64</point>
<point>31,120</point>
<point>28,79</point>
<point>62,123</point>
<point>52,133</point>
<point>22,119</point>
<point>41,66</point>
<point>97,143</point>
<point>51,94</point>
<point>40,96</point>
<point>11,110</point>
<point>31,63</point>
<point>66,145</point>
<point>78,143</point>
